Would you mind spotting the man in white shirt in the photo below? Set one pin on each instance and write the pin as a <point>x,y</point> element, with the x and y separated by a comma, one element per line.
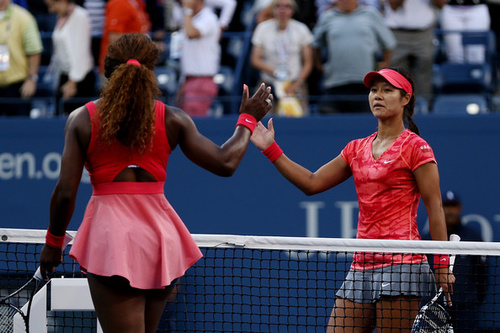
<point>200,58</point>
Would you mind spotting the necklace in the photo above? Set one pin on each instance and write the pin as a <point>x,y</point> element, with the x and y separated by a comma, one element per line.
<point>380,137</point>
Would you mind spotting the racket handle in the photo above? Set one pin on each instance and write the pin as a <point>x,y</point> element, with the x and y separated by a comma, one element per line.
<point>453,238</point>
<point>67,238</point>
<point>38,274</point>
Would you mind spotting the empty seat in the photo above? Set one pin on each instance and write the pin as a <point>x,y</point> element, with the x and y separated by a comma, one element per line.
<point>465,78</point>
<point>224,80</point>
<point>421,105</point>
<point>167,79</point>
<point>460,104</point>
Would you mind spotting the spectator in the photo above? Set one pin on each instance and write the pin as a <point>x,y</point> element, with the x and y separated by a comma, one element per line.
<point>464,15</point>
<point>413,23</point>
<point>353,35</point>
<point>72,55</point>
<point>200,58</point>
<point>470,271</point>
<point>20,54</point>
<point>121,17</point>
<point>282,52</point>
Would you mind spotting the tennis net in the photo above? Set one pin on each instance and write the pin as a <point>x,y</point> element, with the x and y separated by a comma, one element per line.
<point>272,284</point>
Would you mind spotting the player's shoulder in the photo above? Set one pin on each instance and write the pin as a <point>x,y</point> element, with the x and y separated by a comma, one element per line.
<point>177,119</point>
<point>414,139</point>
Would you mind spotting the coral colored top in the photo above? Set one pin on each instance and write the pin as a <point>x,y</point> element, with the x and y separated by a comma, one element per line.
<point>106,163</point>
<point>387,191</point>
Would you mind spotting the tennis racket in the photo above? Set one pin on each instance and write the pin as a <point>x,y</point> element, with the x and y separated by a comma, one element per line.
<point>433,317</point>
<point>12,318</point>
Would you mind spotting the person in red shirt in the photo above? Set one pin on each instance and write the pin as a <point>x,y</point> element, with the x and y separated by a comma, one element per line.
<point>121,17</point>
<point>392,169</point>
<point>131,242</point>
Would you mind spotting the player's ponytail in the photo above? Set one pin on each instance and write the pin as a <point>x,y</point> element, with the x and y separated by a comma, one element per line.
<point>409,108</point>
<point>126,106</point>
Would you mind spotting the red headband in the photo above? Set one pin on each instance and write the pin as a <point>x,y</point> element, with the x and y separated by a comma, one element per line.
<point>134,62</point>
<point>393,77</point>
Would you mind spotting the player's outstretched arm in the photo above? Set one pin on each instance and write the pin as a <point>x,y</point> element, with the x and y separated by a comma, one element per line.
<point>329,175</point>
<point>221,160</point>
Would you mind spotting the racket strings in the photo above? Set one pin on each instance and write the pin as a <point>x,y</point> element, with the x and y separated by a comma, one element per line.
<point>433,319</point>
<point>8,322</point>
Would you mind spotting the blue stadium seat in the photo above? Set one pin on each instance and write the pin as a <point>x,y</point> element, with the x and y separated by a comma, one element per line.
<point>455,104</point>
<point>224,80</point>
<point>46,82</point>
<point>421,105</point>
<point>167,79</point>
<point>465,78</point>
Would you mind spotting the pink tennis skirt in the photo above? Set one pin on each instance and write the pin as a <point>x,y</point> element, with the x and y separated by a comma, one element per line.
<point>136,236</point>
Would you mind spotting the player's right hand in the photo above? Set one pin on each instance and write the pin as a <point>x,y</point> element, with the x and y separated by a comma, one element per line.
<point>50,258</point>
<point>259,104</point>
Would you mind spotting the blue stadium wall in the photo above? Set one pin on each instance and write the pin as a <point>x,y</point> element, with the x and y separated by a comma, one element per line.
<point>257,200</point>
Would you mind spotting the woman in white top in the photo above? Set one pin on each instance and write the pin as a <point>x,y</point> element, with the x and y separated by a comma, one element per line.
<point>72,54</point>
<point>282,51</point>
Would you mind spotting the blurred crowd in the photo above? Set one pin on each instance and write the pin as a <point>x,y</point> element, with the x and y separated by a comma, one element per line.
<point>313,53</point>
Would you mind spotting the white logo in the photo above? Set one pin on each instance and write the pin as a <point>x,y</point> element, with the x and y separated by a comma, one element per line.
<point>443,259</point>
<point>386,161</point>
<point>386,284</point>
<point>249,121</point>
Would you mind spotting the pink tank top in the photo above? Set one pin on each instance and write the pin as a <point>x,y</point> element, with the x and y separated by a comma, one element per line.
<point>106,161</point>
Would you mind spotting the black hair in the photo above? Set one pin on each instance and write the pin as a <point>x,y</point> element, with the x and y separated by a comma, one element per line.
<point>409,108</point>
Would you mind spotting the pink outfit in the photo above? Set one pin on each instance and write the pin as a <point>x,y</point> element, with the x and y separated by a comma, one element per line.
<point>198,94</point>
<point>387,193</point>
<point>129,228</point>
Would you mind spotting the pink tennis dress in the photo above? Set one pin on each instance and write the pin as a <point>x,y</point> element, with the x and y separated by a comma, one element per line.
<point>129,228</point>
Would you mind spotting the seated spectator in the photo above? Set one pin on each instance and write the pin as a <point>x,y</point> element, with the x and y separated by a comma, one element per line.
<point>353,36</point>
<point>72,55</point>
<point>282,52</point>
<point>20,57</point>
<point>464,15</point>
